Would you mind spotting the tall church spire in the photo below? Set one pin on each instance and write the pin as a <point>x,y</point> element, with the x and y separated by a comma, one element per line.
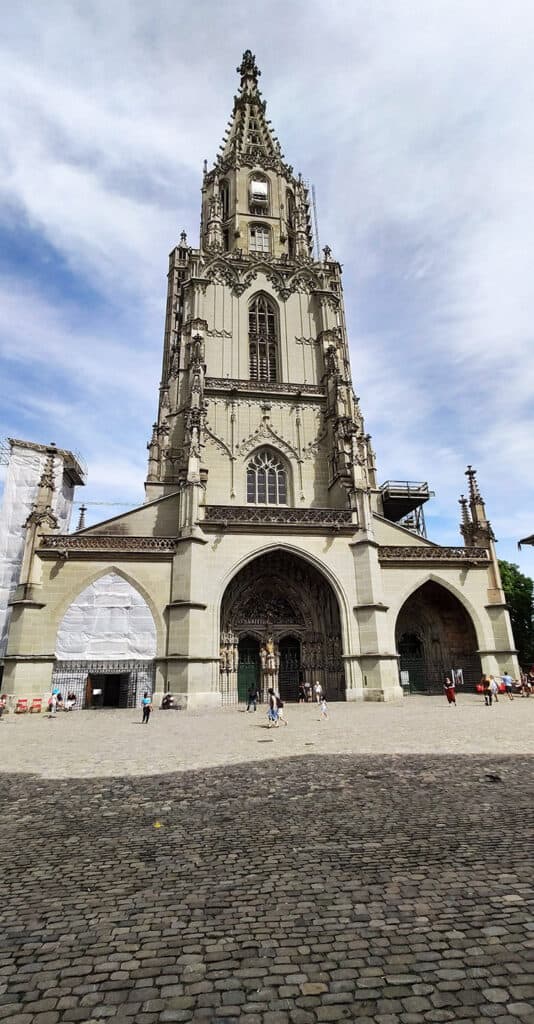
<point>249,138</point>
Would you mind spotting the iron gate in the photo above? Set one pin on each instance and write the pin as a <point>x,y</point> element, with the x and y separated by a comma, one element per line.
<point>137,676</point>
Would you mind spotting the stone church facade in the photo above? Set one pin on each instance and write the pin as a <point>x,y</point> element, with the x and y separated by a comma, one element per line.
<point>266,551</point>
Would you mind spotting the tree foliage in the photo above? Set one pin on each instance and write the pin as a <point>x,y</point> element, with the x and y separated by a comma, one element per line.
<point>519,592</point>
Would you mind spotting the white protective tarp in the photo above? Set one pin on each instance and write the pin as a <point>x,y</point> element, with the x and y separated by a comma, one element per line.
<point>20,492</point>
<point>109,620</point>
<point>259,188</point>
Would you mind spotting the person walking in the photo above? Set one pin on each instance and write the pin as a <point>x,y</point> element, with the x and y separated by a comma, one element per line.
<point>146,704</point>
<point>509,683</point>
<point>52,704</point>
<point>324,708</point>
<point>494,687</point>
<point>272,713</point>
<point>308,691</point>
<point>450,691</point>
<point>252,697</point>
<point>280,708</point>
<point>488,694</point>
<point>318,691</point>
<point>302,694</point>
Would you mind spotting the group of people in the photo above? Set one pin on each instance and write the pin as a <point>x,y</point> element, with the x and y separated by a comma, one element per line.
<point>490,686</point>
<point>276,712</point>
<point>56,702</point>
<point>307,693</point>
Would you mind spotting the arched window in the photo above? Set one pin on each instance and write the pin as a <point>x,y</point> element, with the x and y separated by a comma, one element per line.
<point>262,339</point>
<point>259,238</point>
<point>266,479</point>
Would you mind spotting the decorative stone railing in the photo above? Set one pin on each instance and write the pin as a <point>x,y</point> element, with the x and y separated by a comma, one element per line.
<point>106,542</point>
<point>305,518</point>
<point>263,387</point>
<point>432,553</point>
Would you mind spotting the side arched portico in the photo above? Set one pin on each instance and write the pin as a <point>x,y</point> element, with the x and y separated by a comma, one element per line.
<point>106,644</point>
<point>435,634</point>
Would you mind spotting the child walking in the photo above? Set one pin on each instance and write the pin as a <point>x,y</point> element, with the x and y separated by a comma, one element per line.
<point>324,708</point>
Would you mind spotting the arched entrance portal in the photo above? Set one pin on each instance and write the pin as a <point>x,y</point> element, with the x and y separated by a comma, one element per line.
<point>106,645</point>
<point>280,624</point>
<point>434,635</point>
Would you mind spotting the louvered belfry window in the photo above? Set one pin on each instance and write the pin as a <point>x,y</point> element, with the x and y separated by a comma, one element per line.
<point>263,342</point>
<point>266,480</point>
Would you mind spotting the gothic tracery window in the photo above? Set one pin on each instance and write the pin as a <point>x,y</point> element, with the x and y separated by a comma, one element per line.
<point>262,339</point>
<point>225,199</point>
<point>266,479</point>
<point>259,238</point>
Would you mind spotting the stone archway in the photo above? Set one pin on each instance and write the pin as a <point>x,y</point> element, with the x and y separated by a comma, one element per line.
<point>435,634</point>
<point>106,645</point>
<point>290,609</point>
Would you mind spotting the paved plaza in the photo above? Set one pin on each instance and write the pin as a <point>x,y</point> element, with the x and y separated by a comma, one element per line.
<point>374,867</point>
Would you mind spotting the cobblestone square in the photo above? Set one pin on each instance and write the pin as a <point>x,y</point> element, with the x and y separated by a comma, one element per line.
<point>374,867</point>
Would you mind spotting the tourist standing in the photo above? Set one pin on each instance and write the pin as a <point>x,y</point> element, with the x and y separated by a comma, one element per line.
<point>252,697</point>
<point>52,704</point>
<point>302,694</point>
<point>146,704</point>
<point>308,691</point>
<point>318,691</point>
<point>486,689</point>
<point>494,687</point>
<point>324,708</point>
<point>450,691</point>
<point>3,702</point>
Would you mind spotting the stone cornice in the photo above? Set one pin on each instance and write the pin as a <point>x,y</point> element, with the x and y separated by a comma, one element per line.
<point>63,545</point>
<point>264,389</point>
<point>239,517</point>
<point>416,553</point>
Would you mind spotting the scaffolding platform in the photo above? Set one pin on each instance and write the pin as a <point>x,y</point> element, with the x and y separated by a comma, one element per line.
<point>403,502</point>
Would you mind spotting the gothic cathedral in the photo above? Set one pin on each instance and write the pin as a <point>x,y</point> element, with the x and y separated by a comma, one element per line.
<point>266,552</point>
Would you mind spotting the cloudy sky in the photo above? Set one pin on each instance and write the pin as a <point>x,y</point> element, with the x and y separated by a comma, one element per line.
<point>413,120</point>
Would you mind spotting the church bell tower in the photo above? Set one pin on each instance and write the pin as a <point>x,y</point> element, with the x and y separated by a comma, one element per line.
<point>256,357</point>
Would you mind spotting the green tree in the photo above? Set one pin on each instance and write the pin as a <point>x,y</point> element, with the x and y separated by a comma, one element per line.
<point>519,592</point>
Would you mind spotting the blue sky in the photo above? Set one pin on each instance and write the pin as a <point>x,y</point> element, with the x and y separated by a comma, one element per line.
<point>414,122</point>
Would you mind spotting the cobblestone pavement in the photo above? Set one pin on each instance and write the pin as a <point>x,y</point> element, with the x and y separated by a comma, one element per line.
<point>289,891</point>
<point>105,743</point>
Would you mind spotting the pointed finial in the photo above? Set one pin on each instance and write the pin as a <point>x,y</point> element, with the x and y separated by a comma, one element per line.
<point>47,476</point>
<point>471,475</point>
<point>248,67</point>
<point>81,520</point>
<point>465,510</point>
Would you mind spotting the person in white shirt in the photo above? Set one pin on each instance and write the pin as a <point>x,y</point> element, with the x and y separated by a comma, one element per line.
<point>318,690</point>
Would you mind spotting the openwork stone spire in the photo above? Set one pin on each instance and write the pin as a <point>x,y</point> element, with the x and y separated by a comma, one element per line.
<point>249,139</point>
<point>475,526</point>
